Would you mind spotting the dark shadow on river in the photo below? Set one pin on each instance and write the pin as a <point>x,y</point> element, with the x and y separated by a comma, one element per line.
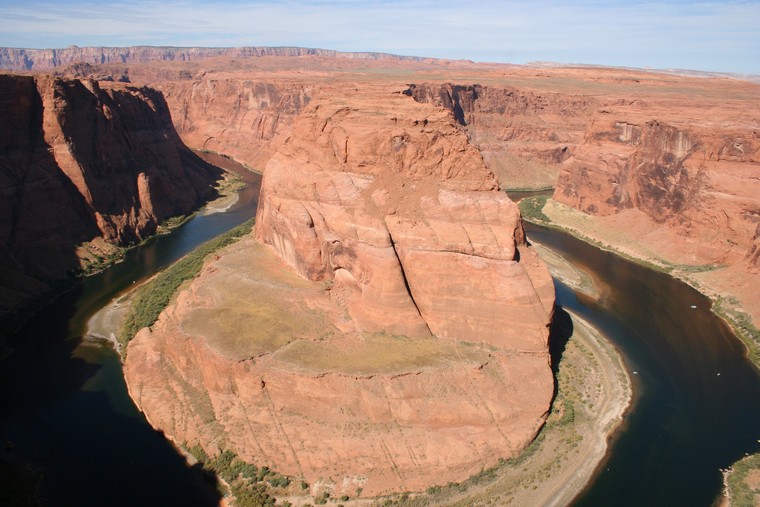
<point>69,432</point>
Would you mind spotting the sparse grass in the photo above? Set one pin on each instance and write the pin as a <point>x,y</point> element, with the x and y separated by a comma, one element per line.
<point>381,353</point>
<point>150,299</point>
<point>258,313</point>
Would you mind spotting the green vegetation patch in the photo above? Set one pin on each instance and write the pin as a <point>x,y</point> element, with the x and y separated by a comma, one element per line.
<point>743,489</point>
<point>532,209</point>
<point>379,354</point>
<point>251,486</point>
<point>741,323</point>
<point>151,298</point>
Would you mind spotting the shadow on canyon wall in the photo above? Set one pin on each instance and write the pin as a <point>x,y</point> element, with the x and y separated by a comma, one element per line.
<point>81,164</point>
<point>560,331</point>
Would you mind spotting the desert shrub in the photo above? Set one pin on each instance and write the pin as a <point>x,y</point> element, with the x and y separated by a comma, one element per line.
<point>532,209</point>
<point>279,482</point>
<point>150,299</point>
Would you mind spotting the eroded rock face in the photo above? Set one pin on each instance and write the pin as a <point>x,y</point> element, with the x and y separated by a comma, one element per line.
<point>411,350</point>
<point>700,182</point>
<point>82,162</point>
<point>237,117</point>
<point>387,207</point>
<point>522,135</point>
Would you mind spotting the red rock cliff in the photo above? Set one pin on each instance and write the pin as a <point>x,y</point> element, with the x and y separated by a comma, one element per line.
<point>78,162</point>
<point>237,117</point>
<point>699,181</point>
<point>522,135</point>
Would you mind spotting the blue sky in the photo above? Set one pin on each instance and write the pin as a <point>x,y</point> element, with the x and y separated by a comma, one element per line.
<point>721,36</point>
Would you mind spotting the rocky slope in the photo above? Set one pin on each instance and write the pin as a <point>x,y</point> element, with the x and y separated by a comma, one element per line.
<point>411,350</point>
<point>84,163</point>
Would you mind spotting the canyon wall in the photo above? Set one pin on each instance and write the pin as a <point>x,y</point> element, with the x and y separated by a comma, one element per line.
<point>411,350</point>
<point>84,163</point>
<point>700,182</point>
<point>523,135</point>
<point>237,117</point>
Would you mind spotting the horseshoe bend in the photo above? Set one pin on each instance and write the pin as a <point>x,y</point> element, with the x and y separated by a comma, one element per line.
<point>385,327</point>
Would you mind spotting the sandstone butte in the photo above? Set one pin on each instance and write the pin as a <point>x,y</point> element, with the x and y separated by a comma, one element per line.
<point>84,166</point>
<point>412,351</point>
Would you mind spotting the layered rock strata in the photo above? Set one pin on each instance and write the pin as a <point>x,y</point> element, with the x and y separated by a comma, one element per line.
<point>699,182</point>
<point>523,135</point>
<point>83,162</point>
<point>237,117</point>
<point>411,350</point>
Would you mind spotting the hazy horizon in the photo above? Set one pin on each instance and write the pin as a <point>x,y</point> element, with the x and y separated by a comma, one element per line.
<point>704,36</point>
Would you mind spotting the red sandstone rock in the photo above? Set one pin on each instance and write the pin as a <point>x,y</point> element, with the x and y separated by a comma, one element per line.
<point>522,135</point>
<point>80,161</point>
<point>425,360</point>
<point>698,182</point>
<point>387,197</point>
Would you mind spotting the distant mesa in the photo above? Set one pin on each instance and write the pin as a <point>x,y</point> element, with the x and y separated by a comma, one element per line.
<point>48,59</point>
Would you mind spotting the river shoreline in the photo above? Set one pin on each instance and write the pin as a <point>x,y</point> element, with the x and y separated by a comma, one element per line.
<point>731,314</point>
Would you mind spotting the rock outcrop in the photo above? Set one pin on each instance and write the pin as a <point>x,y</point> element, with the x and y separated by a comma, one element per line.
<point>83,162</point>
<point>394,210</point>
<point>411,351</point>
<point>699,182</point>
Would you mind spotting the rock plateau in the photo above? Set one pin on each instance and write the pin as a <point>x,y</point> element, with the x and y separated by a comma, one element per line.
<point>412,349</point>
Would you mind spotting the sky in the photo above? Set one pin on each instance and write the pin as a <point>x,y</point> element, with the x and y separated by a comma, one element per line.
<point>718,36</point>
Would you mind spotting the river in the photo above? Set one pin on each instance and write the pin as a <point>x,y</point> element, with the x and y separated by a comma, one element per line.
<point>64,407</point>
<point>696,396</point>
